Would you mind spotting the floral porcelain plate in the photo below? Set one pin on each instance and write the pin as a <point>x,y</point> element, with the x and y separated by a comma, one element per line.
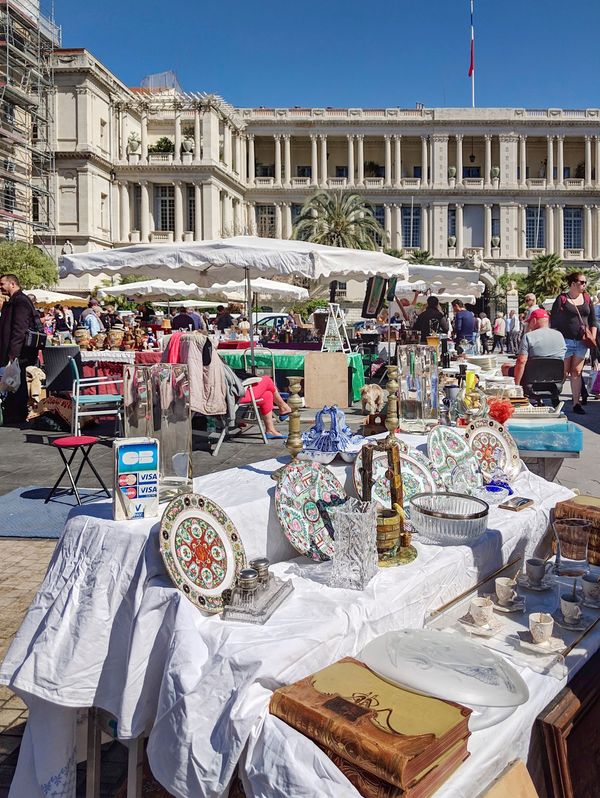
<point>201,549</point>
<point>418,476</point>
<point>494,448</point>
<point>453,459</point>
<point>301,499</point>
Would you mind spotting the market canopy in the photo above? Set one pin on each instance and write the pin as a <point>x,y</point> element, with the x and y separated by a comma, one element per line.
<point>235,290</point>
<point>150,290</point>
<point>198,304</point>
<point>44,297</point>
<point>224,259</point>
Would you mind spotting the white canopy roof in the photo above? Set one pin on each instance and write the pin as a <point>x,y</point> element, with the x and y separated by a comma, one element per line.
<point>235,290</point>
<point>43,297</point>
<point>198,304</point>
<point>226,258</point>
<point>150,290</point>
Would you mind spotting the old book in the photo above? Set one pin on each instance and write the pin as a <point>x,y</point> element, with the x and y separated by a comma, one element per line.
<point>379,727</point>
<point>369,786</point>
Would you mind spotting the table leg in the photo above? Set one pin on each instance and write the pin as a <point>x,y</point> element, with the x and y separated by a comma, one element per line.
<point>135,767</point>
<point>92,771</point>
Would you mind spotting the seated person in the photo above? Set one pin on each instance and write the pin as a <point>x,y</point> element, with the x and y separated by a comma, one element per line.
<point>540,340</point>
<point>264,389</point>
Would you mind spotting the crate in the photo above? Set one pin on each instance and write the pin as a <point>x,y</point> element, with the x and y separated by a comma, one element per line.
<point>588,508</point>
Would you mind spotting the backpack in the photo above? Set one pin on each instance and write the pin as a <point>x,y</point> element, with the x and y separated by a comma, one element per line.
<point>586,298</point>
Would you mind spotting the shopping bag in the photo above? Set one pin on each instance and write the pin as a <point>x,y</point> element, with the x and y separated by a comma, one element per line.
<point>595,383</point>
<point>11,377</point>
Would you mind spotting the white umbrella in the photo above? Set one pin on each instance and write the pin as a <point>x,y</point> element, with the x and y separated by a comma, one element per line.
<point>150,290</point>
<point>199,304</point>
<point>43,297</point>
<point>235,290</point>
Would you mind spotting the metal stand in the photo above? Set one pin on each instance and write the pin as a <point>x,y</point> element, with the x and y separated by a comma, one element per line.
<point>293,443</point>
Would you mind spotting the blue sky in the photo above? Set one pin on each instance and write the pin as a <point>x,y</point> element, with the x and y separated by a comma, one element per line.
<point>529,53</point>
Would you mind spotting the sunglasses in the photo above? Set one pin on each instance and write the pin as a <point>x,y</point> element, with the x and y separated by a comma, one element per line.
<point>581,282</point>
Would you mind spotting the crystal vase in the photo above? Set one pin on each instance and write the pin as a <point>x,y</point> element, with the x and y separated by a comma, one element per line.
<point>355,534</point>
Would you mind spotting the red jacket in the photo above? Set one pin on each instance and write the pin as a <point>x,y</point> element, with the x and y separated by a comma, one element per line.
<point>16,317</point>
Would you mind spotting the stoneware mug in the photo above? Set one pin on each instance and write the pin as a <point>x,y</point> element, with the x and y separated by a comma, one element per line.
<point>540,626</point>
<point>591,587</point>
<point>505,589</point>
<point>535,568</point>
<point>570,607</point>
<point>482,610</point>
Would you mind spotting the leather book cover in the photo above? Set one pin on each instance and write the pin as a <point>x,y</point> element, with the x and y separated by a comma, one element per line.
<point>379,727</point>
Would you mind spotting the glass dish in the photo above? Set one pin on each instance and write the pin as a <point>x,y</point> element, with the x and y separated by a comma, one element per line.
<point>448,518</point>
<point>492,494</point>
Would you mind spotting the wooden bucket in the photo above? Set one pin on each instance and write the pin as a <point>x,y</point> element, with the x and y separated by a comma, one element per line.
<point>587,508</point>
<point>390,526</point>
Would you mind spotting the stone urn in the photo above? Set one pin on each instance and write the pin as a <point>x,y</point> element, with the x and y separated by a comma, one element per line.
<point>452,171</point>
<point>495,242</point>
<point>82,337</point>
<point>495,172</point>
<point>451,241</point>
<point>187,145</point>
<point>133,142</point>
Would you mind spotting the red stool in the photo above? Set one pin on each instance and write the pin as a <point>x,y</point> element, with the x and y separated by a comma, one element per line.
<point>76,443</point>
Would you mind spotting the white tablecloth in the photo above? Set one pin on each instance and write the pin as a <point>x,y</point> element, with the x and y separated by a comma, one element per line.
<point>107,356</point>
<point>107,629</point>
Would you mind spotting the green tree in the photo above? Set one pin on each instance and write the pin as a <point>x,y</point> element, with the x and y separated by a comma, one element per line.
<point>340,220</point>
<point>34,268</point>
<point>546,276</point>
<point>307,306</point>
<point>422,256</point>
<point>163,144</point>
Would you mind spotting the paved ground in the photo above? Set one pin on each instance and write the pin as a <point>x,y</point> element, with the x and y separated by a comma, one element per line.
<point>27,459</point>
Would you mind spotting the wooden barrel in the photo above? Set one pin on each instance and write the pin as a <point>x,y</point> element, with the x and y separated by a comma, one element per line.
<point>390,525</point>
<point>588,509</point>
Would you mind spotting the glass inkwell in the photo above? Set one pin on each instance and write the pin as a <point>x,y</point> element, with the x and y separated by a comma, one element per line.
<point>257,594</point>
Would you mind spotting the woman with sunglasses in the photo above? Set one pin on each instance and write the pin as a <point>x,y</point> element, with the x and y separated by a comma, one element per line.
<point>571,313</point>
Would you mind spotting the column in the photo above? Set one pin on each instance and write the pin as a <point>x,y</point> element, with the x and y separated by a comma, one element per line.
<point>210,136</point>
<point>123,211</point>
<point>251,160</point>
<point>561,232</point>
<point>487,230</point>
<point>197,212</point>
<point>227,145</point>
<point>459,229</point>
<point>82,119</point>
<point>597,236</point>
<point>350,160</point>
<point>277,143</point>
<point>324,160</point>
<point>238,154</point>
<point>459,162</point>
<point>397,243</point>
<point>287,159</point>
<point>587,232</point>
<point>550,161</point>
<point>560,161</point>
<point>588,161</point>
<point>360,157</point>
<point>227,229</point>
<point>287,219</point>
<point>387,221</point>
<point>144,137</point>
<point>244,158</point>
<point>388,160</point>
<point>145,212</point>
<point>549,242</point>
<point>424,227</point>
<point>487,167</point>
<point>278,219</point>
<point>424,166</point>
<point>120,132</point>
<point>523,231</point>
<point>177,153</point>
<point>197,135</point>
<point>314,172</point>
<point>251,211</point>
<point>178,232</point>
<point>238,227</point>
<point>597,181</point>
<point>398,161</point>
<point>211,211</point>
<point>523,161</point>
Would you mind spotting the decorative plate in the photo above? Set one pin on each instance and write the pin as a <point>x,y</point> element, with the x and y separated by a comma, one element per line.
<point>418,476</point>
<point>201,549</point>
<point>301,499</point>
<point>494,448</point>
<point>449,453</point>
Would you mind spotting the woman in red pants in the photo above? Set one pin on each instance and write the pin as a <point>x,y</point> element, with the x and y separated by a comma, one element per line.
<point>266,390</point>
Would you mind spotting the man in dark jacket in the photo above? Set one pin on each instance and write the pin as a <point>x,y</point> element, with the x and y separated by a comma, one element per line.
<point>16,318</point>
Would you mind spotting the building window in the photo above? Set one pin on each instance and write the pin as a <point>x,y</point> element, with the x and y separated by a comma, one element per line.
<point>10,196</point>
<point>573,228</point>
<point>296,211</point>
<point>137,207</point>
<point>191,208</point>
<point>341,171</point>
<point>451,221</point>
<point>411,226</point>
<point>471,171</point>
<point>8,113</point>
<point>102,131</point>
<point>566,172</point>
<point>304,171</point>
<point>379,214</point>
<point>417,171</point>
<point>265,221</point>
<point>9,232</point>
<point>104,211</point>
<point>265,170</point>
<point>534,227</point>
<point>35,208</point>
<point>495,226</point>
<point>165,201</point>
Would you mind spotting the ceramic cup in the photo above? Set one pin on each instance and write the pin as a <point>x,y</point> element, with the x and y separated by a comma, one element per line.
<point>535,568</point>
<point>591,587</point>
<point>505,589</point>
<point>540,626</point>
<point>482,610</point>
<point>570,607</point>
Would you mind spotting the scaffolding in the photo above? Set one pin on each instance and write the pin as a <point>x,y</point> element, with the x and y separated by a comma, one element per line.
<point>27,169</point>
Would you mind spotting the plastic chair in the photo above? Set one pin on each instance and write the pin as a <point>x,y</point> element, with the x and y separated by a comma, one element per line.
<point>543,378</point>
<point>251,417</point>
<point>93,404</point>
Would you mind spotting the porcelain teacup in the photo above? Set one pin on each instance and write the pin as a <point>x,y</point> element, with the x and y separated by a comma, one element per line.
<point>482,611</point>
<point>570,606</point>
<point>505,589</point>
<point>536,568</point>
<point>591,587</point>
<point>540,626</point>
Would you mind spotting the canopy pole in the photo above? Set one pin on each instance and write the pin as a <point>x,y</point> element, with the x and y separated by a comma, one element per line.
<point>250,318</point>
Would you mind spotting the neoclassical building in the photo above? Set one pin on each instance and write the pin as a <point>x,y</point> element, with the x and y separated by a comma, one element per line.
<point>504,184</point>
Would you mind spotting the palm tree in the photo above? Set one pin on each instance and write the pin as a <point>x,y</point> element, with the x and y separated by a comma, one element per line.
<point>421,256</point>
<point>340,220</point>
<point>546,276</point>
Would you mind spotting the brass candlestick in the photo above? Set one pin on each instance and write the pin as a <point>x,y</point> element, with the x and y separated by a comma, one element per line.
<point>294,442</point>
<point>391,421</point>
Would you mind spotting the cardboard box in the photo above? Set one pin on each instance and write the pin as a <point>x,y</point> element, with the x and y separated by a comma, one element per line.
<point>136,478</point>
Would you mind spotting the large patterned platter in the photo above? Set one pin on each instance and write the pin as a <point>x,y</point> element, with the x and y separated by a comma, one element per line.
<point>494,448</point>
<point>418,476</point>
<point>302,493</point>
<point>451,455</point>
<point>201,549</point>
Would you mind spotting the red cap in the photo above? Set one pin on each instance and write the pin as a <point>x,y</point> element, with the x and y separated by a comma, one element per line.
<point>539,313</point>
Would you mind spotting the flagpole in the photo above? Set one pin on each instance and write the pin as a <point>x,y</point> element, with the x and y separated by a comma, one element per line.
<point>472,66</point>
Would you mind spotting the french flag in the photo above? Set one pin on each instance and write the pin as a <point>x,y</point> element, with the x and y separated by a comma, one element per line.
<point>472,64</point>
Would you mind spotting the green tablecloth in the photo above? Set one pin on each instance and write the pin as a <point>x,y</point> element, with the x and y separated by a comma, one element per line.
<point>289,360</point>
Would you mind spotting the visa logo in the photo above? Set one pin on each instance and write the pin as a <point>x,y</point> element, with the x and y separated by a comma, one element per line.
<point>147,490</point>
<point>150,476</point>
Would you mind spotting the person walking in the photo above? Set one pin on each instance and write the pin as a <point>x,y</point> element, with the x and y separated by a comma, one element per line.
<point>574,316</point>
<point>485,329</point>
<point>16,318</point>
<point>431,320</point>
<point>530,305</point>
<point>499,331</point>
<point>464,322</point>
<point>513,332</point>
